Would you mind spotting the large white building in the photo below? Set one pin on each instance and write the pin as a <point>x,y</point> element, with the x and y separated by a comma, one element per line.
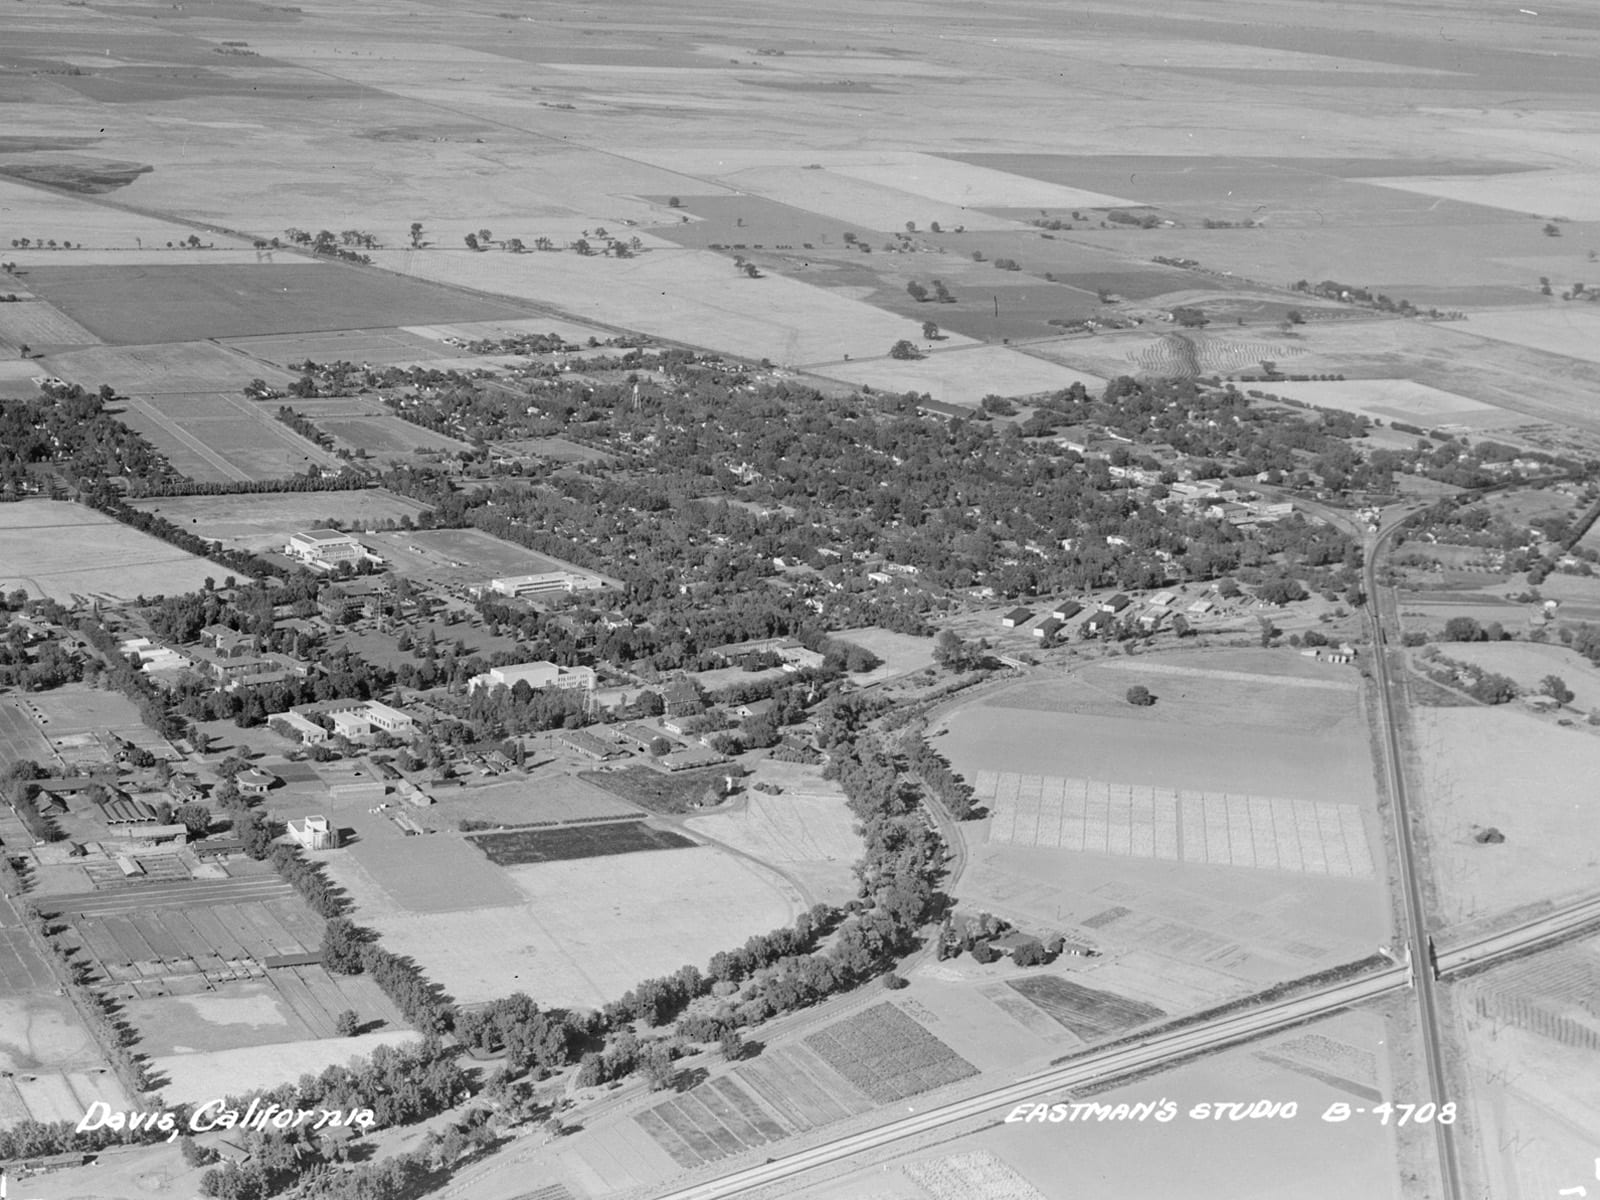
<point>315,833</point>
<point>543,584</point>
<point>324,548</point>
<point>535,675</point>
<point>360,722</point>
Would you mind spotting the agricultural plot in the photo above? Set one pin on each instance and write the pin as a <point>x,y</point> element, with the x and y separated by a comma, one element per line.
<point>810,835</point>
<point>67,552</point>
<point>518,846</point>
<point>141,305</point>
<point>888,1055</point>
<point>422,874</point>
<point>1399,400</point>
<point>962,376</point>
<point>196,1076</point>
<point>1529,778</point>
<point>379,347</point>
<point>970,1175</point>
<point>1529,663</point>
<point>219,436</point>
<point>361,423</point>
<point>40,326</point>
<point>263,522</point>
<point>1090,1014</point>
<point>70,218</point>
<point>174,368</point>
<point>1568,331</point>
<point>1569,194</point>
<point>1264,832</point>
<point>587,930</point>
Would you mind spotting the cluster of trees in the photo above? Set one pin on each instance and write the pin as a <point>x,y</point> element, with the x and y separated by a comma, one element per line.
<point>113,1035</point>
<point>352,950</point>
<point>933,771</point>
<point>66,433</point>
<point>308,878</point>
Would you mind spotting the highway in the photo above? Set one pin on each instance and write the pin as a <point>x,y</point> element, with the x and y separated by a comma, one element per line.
<point>1411,883</point>
<point>1571,920</point>
<point>1157,1050</point>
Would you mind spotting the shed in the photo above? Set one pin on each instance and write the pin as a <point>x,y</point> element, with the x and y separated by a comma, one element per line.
<point>1016,617</point>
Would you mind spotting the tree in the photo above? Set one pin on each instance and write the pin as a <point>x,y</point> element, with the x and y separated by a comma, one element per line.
<point>659,746</point>
<point>484,238</point>
<point>949,650</point>
<point>347,1023</point>
<point>656,1063</point>
<point>674,202</point>
<point>916,291</point>
<point>930,331</point>
<point>1140,697</point>
<point>1029,954</point>
<point>933,227</point>
<point>1295,317</point>
<point>341,946</point>
<point>904,350</point>
<point>195,1154</point>
<point>1551,229</point>
<point>472,242</point>
<point>196,818</point>
<point>732,1045</point>
<point>1556,688</point>
<point>1463,629</point>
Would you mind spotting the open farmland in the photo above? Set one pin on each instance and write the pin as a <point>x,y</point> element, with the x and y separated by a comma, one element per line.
<point>40,326</point>
<point>65,551</point>
<point>1527,664</point>
<point>1091,1015</point>
<point>656,790</point>
<point>220,436</point>
<point>1568,331</point>
<point>1398,400</point>
<point>359,423</point>
<point>265,521</point>
<point>516,846</point>
<point>139,305</point>
<point>175,368</point>
<point>1481,767</point>
<point>888,1055</point>
<point>807,831</point>
<point>587,930</point>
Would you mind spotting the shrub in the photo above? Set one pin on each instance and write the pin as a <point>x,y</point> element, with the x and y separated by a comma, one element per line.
<point>1140,697</point>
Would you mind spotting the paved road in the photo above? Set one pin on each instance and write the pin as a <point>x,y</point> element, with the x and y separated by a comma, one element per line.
<point>1570,920</point>
<point>1052,1085</point>
<point>1411,884</point>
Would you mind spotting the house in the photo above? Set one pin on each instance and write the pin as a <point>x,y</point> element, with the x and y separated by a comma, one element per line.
<point>682,698</point>
<point>335,606</point>
<point>253,782</point>
<point>314,833</point>
<point>536,675</point>
<point>1016,617</point>
<point>879,576</point>
<point>324,548</point>
<point>1066,610</point>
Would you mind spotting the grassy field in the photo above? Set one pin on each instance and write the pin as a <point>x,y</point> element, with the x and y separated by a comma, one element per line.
<point>962,376</point>
<point>220,436</point>
<point>587,930</point>
<point>139,305</point>
<point>264,522</point>
<point>175,368</point>
<point>65,552</point>
<point>376,346</point>
<point>657,791</point>
<point>196,1076</point>
<point>460,556</point>
<point>807,832</point>
<point>1397,400</point>
<point>1528,663</point>
<point>362,423</point>
<point>1569,331</point>
<point>40,326</point>
<point>1530,779</point>
<point>514,847</point>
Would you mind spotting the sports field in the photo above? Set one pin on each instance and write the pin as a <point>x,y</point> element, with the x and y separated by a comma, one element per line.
<point>587,930</point>
<point>67,552</point>
<point>265,521</point>
<point>961,376</point>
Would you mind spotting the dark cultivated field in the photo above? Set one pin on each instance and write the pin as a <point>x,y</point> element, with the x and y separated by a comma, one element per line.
<point>140,305</point>
<point>1089,1014</point>
<point>511,848</point>
<point>888,1055</point>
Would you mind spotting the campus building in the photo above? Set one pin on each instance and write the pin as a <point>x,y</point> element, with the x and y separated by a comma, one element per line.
<point>324,548</point>
<point>535,675</point>
<point>545,583</point>
<point>314,833</point>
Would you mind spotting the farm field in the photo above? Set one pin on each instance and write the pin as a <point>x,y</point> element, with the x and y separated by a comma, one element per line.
<point>38,325</point>
<point>195,1077</point>
<point>547,795</point>
<point>66,552</point>
<point>1569,331</point>
<point>376,346</point>
<point>140,305</point>
<point>961,376</point>
<point>515,847</point>
<point>1481,767</point>
<point>1089,1014</point>
<point>776,318</point>
<point>360,423</point>
<point>1397,400</point>
<point>1205,1159</point>
<point>217,437</point>
<point>887,1054</point>
<point>49,213</point>
<point>1569,194</point>
<point>1531,1040</point>
<point>587,930</point>
<point>264,522</point>
<point>174,368</point>
<point>807,832</point>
